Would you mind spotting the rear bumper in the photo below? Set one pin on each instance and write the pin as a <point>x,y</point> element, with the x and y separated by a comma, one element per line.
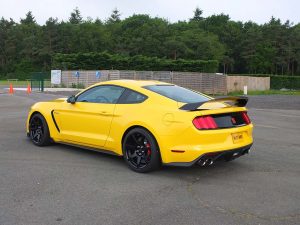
<point>226,155</point>
<point>192,143</point>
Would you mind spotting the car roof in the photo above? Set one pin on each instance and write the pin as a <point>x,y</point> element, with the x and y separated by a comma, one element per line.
<point>134,83</point>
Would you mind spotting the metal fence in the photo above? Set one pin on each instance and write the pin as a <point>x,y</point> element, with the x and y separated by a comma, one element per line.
<point>209,83</point>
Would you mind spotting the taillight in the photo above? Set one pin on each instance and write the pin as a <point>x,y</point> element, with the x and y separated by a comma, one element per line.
<point>205,122</point>
<point>246,118</point>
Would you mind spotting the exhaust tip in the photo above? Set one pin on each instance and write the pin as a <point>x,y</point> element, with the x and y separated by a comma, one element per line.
<point>201,162</point>
<point>209,162</point>
<point>205,162</point>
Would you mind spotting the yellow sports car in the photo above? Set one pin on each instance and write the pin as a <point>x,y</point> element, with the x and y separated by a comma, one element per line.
<point>149,123</point>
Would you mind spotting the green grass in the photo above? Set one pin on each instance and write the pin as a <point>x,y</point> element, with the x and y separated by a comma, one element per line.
<point>268,92</point>
<point>22,83</point>
<point>19,82</point>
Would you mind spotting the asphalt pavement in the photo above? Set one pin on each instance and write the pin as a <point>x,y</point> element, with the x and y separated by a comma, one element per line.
<point>66,185</point>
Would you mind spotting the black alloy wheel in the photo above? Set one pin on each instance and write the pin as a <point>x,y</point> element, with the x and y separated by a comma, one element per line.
<point>140,150</point>
<point>38,130</point>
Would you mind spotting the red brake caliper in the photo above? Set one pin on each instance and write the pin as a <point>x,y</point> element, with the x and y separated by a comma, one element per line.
<point>148,149</point>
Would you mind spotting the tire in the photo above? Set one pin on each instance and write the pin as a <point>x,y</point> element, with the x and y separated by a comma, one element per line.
<point>140,151</point>
<point>38,130</point>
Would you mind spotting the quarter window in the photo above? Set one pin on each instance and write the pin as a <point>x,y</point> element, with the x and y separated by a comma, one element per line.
<point>131,97</point>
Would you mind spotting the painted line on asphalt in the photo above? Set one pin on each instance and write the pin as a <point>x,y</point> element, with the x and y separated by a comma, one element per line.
<point>288,115</point>
<point>266,126</point>
<point>285,115</point>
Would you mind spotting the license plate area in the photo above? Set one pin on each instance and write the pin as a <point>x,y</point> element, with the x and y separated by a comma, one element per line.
<point>237,137</point>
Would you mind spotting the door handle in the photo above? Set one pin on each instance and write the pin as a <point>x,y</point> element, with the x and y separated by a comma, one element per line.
<point>105,113</point>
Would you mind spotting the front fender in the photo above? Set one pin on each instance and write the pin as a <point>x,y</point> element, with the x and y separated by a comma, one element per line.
<point>45,109</point>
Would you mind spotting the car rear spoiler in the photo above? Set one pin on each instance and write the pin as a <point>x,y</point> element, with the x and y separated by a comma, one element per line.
<point>239,101</point>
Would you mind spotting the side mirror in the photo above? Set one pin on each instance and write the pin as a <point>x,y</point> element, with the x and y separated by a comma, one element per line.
<point>71,99</point>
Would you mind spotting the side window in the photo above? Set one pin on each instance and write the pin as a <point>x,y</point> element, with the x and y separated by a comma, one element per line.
<point>131,97</point>
<point>101,94</point>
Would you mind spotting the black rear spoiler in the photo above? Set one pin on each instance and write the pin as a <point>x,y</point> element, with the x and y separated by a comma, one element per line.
<point>239,101</point>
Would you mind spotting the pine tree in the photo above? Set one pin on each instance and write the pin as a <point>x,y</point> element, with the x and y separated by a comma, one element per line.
<point>29,19</point>
<point>197,15</point>
<point>115,16</point>
<point>75,17</point>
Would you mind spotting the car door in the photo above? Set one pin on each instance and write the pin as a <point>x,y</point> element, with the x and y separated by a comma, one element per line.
<point>88,120</point>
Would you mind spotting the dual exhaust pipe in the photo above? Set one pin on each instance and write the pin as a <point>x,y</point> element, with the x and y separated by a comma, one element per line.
<point>210,158</point>
<point>206,162</point>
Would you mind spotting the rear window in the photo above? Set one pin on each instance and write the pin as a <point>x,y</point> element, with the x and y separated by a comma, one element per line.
<point>177,93</point>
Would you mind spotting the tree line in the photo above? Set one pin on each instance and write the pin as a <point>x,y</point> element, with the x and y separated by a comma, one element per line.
<point>237,47</point>
<point>100,61</point>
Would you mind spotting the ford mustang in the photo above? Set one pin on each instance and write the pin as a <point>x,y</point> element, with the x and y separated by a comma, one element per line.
<point>149,123</point>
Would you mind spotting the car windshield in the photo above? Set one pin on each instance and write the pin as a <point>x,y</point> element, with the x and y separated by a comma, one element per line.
<point>177,93</point>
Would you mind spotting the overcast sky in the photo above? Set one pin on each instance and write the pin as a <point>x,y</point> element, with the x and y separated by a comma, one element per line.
<point>259,11</point>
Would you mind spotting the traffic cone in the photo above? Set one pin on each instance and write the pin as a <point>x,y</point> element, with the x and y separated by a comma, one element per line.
<point>28,89</point>
<point>11,89</point>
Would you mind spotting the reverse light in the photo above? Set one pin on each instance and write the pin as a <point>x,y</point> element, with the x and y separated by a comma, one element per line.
<point>205,123</point>
<point>246,118</point>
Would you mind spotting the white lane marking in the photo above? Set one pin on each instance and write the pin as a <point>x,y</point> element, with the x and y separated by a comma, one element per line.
<point>17,89</point>
<point>286,115</point>
<point>266,126</point>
